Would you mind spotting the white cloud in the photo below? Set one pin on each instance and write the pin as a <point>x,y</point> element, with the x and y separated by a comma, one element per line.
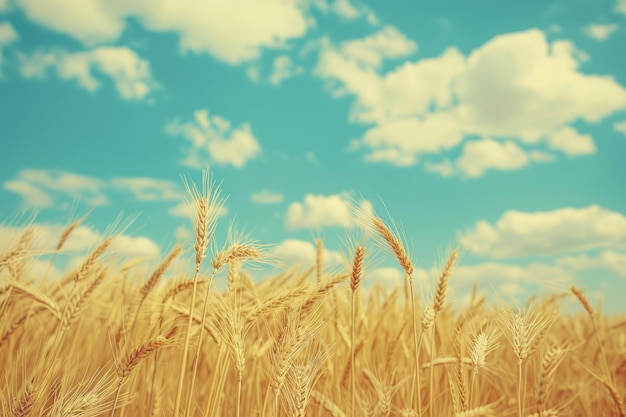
<point>32,195</point>
<point>432,133</point>
<point>600,32</point>
<point>620,6</point>
<point>90,21</point>
<point>520,234</point>
<point>608,259</point>
<point>8,35</point>
<point>299,252</point>
<point>212,139</point>
<point>391,155</point>
<point>266,197</point>
<point>149,189</point>
<point>554,28</point>
<point>389,42</point>
<point>620,127</point>
<point>346,10</point>
<point>130,74</point>
<point>213,27</point>
<point>283,69</point>
<point>62,180</point>
<point>571,142</point>
<point>481,155</point>
<point>407,91</point>
<point>56,189</point>
<point>516,87</point>
<point>218,30</point>
<point>318,211</point>
<point>43,189</point>
<point>444,168</point>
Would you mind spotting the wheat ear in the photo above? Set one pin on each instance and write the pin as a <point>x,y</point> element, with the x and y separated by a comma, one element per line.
<point>136,356</point>
<point>587,306</point>
<point>394,243</point>
<point>355,279</point>
<point>438,303</point>
<point>207,204</point>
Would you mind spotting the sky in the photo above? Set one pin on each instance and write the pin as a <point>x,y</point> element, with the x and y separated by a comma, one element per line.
<point>497,127</point>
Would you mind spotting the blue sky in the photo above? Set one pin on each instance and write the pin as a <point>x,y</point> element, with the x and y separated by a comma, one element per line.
<point>496,126</point>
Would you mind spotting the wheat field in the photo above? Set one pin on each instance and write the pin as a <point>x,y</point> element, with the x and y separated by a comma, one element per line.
<point>107,340</point>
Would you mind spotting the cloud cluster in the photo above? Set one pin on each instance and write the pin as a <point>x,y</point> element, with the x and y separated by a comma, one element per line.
<point>318,211</point>
<point>201,26</point>
<point>302,253</point>
<point>516,94</point>
<point>130,73</point>
<point>40,189</point>
<point>8,35</point>
<point>346,9</point>
<point>212,139</point>
<point>266,197</point>
<point>600,32</point>
<point>546,233</point>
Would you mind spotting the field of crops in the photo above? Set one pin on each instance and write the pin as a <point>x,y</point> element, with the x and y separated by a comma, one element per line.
<point>105,341</point>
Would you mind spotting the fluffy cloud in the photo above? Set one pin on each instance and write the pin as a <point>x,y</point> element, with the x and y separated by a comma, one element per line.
<point>283,68</point>
<point>386,43</point>
<point>130,74</point>
<point>410,137</point>
<point>57,189</point>
<point>213,27</point>
<point>346,10</point>
<point>266,197</point>
<point>90,21</point>
<point>533,88</point>
<point>43,189</point>
<point>600,32</point>
<point>608,259</point>
<point>8,35</point>
<point>299,252</point>
<point>212,139</point>
<point>317,211</point>
<point>149,189</point>
<point>521,234</point>
<point>408,90</point>
<point>620,7</point>
<point>517,87</point>
<point>479,156</point>
<point>571,142</point>
<point>32,195</point>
